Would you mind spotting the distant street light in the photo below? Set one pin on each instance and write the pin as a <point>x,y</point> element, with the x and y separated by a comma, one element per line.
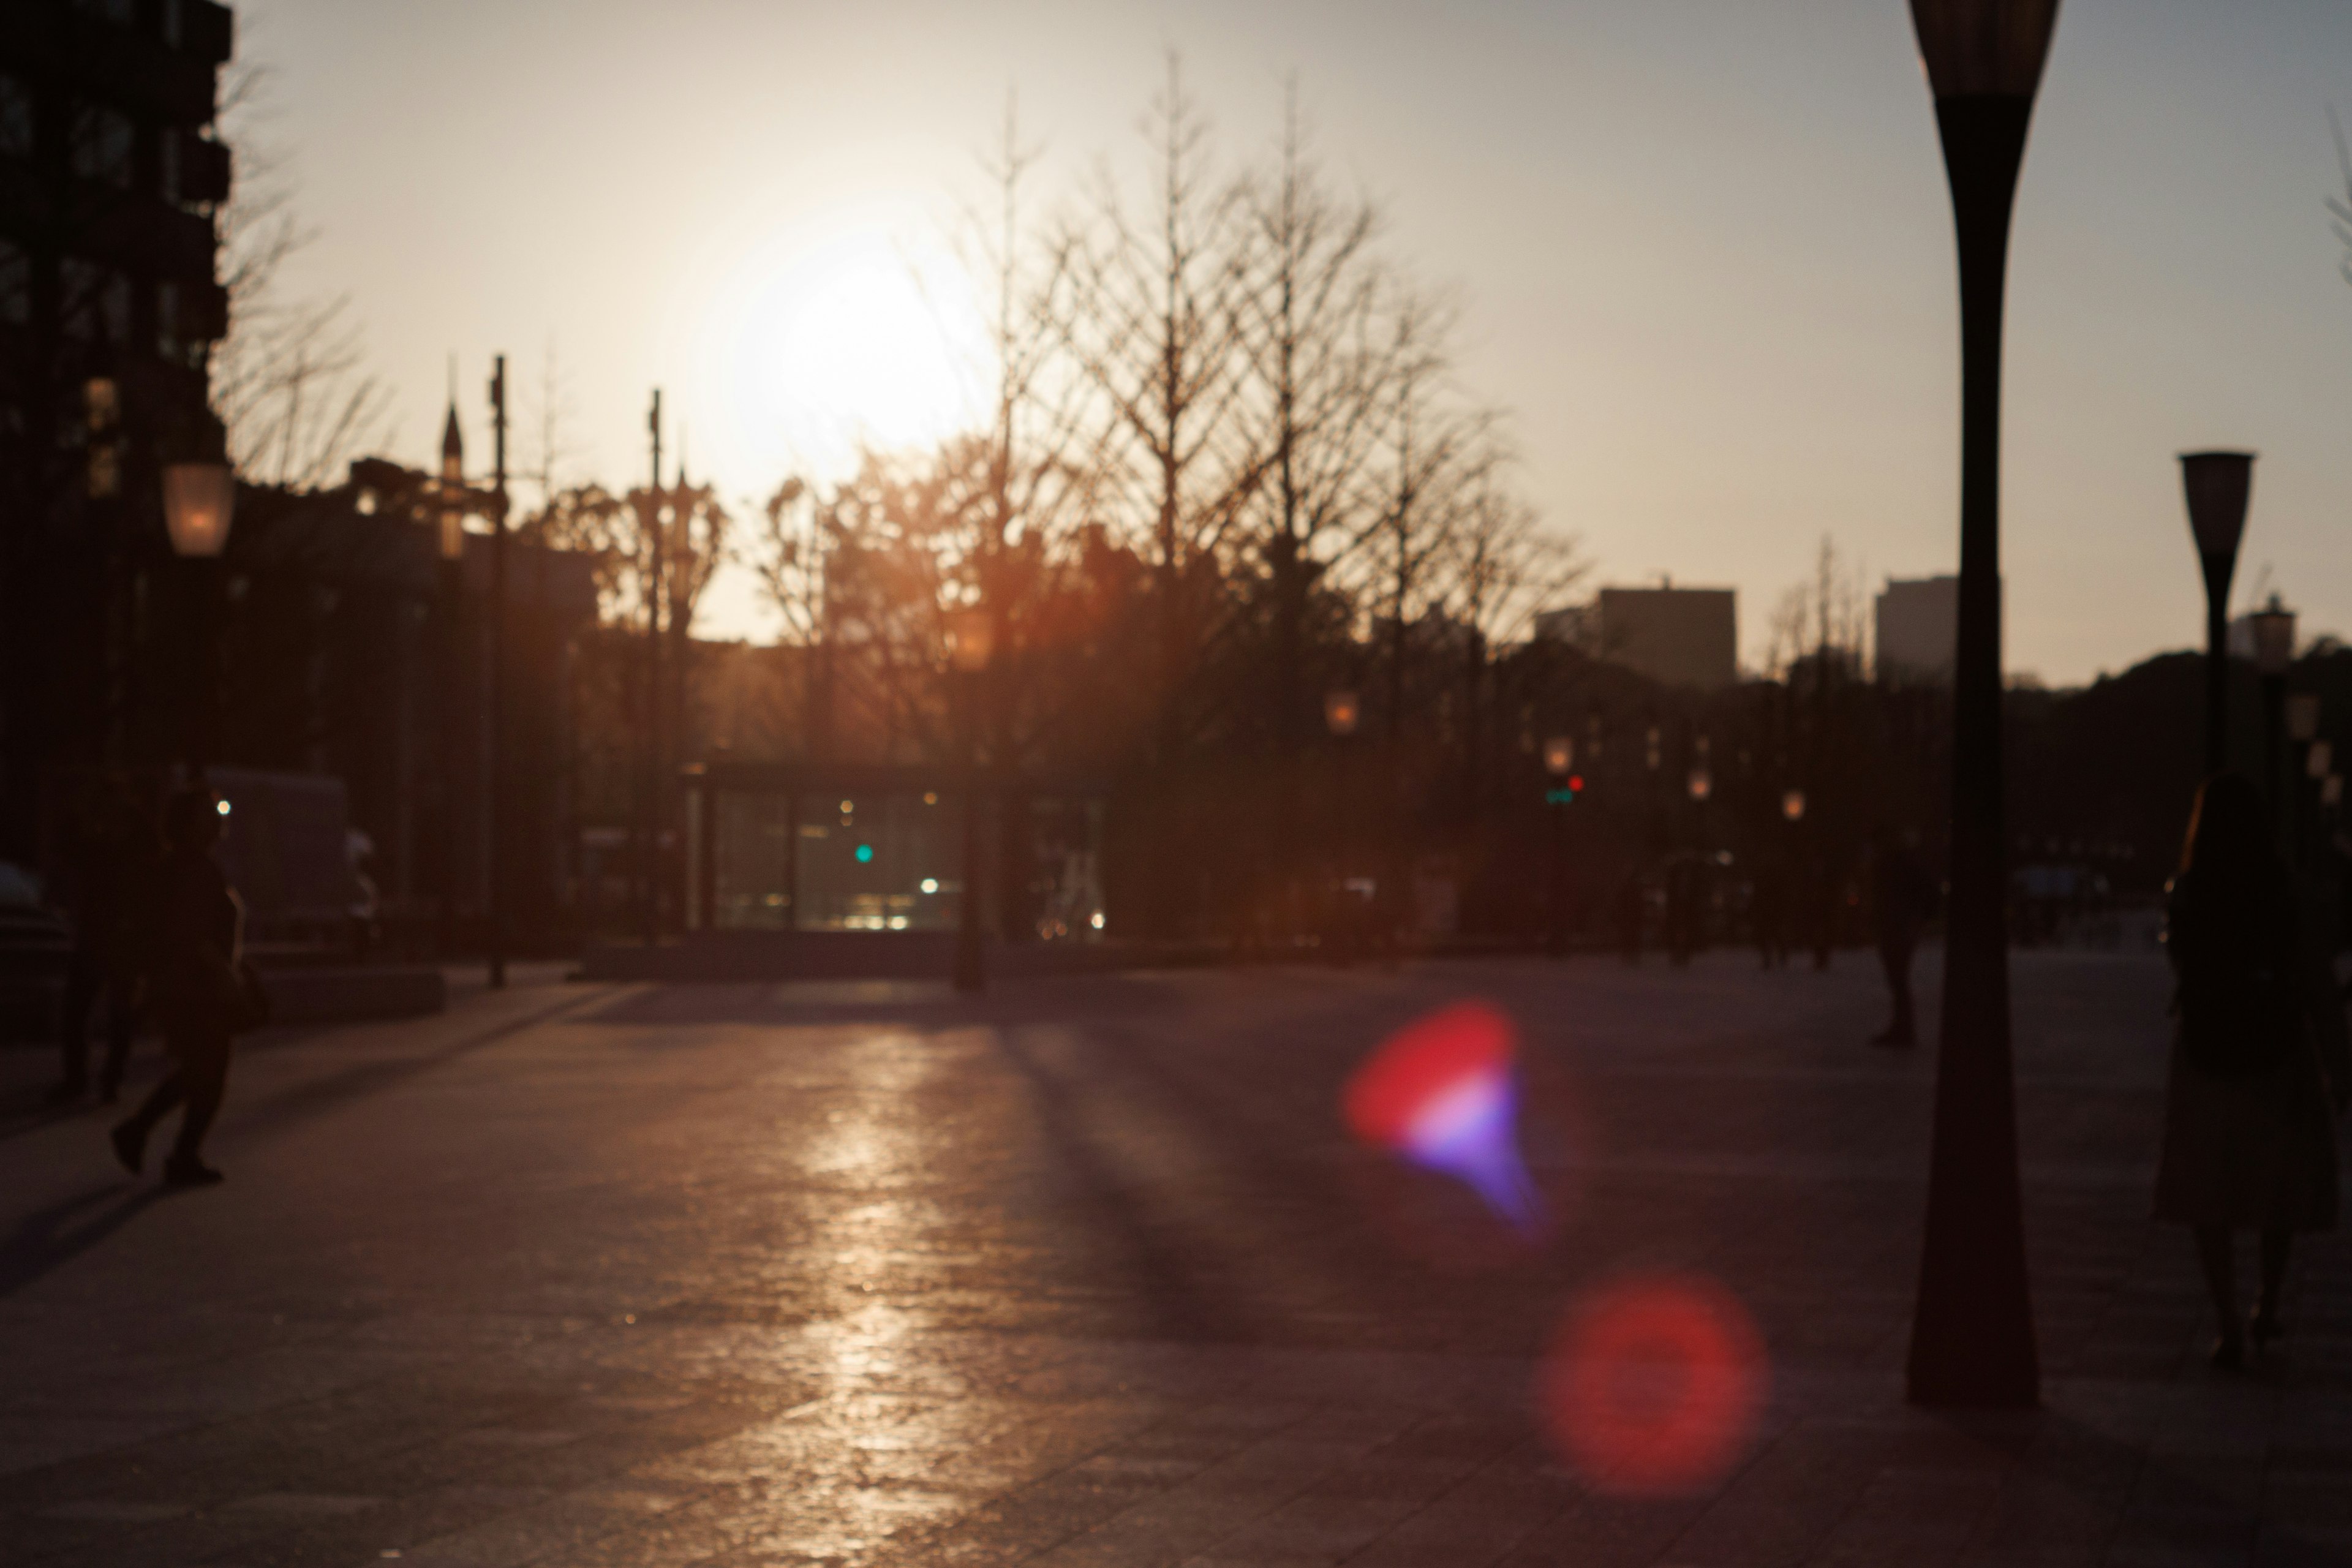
<point>1972,1330</point>
<point>971,638</point>
<point>1560,763</point>
<point>2217,484</point>
<point>1702,785</point>
<point>1793,804</point>
<point>1341,712</point>
<point>199,502</point>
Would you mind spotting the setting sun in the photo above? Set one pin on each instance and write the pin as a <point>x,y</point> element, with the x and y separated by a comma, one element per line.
<point>815,346</point>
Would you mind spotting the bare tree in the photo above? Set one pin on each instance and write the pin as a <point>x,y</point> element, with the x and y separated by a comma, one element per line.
<point>1156,324</point>
<point>290,381</point>
<point>1313,336</point>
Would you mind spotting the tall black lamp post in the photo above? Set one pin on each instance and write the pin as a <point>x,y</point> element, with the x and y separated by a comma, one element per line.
<point>1559,766</point>
<point>2317,758</point>
<point>2274,654</point>
<point>971,638</point>
<point>2217,484</point>
<point>450,500</point>
<point>1972,1329</point>
<point>199,502</point>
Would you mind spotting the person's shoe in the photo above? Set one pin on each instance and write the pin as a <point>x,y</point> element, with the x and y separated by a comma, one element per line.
<point>2228,1354</point>
<point>2263,1327</point>
<point>186,1170</point>
<point>130,1142</point>
<point>68,1092</point>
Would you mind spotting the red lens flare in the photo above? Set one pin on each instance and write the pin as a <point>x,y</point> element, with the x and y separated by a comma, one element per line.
<point>1653,1385</point>
<point>1442,1093</point>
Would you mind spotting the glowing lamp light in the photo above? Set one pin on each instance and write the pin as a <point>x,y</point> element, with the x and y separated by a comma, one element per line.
<point>1559,755</point>
<point>1793,804</point>
<point>199,499</point>
<point>1341,712</point>
<point>1442,1093</point>
<point>1702,784</point>
<point>1653,1385</point>
<point>971,638</point>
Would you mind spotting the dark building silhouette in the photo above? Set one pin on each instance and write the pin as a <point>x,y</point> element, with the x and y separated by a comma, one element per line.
<point>352,650</point>
<point>110,305</point>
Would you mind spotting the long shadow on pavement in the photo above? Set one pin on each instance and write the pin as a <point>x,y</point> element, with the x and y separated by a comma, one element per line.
<point>46,1238</point>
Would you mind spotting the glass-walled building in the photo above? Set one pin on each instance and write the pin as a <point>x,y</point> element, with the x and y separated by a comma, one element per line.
<point>789,850</point>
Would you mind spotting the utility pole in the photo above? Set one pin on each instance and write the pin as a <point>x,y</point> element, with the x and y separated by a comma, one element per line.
<point>496,859</point>
<point>649,784</point>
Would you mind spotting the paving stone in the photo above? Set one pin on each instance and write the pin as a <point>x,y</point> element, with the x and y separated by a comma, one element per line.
<point>1088,1272</point>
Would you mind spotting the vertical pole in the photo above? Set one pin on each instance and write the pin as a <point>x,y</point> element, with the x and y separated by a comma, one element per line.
<point>2274,760</point>
<point>2217,569</point>
<point>494,853</point>
<point>453,596</point>
<point>705,851</point>
<point>1556,940</point>
<point>970,972</point>
<point>649,772</point>
<point>1972,1332</point>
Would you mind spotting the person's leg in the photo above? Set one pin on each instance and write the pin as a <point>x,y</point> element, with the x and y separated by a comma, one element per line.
<point>2276,1247</point>
<point>131,1135</point>
<point>2214,1254</point>
<point>206,1067</point>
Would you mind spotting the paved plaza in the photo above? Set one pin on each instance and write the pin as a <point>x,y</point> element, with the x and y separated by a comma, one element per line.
<point>1090,1273</point>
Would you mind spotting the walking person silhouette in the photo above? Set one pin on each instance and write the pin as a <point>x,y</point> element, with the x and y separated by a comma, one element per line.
<point>2259,1059</point>
<point>202,993</point>
<point>112,855</point>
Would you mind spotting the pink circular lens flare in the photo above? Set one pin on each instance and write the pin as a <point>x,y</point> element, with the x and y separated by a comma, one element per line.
<point>1653,1385</point>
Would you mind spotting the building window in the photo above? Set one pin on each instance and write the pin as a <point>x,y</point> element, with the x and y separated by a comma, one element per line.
<point>95,302</point>
<point>103,137</point>
<point>15,117</point>
<point>16,283</point>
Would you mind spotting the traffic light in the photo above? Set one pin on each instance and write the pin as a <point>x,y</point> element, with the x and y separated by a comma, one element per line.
<point>1567,791</point>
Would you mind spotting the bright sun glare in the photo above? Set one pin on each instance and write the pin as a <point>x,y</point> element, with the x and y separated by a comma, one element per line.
<point>815,346</point>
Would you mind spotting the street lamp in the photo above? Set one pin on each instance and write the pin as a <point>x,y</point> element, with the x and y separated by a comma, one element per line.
<point>1972,1330</point>
<point>1702,785</point>
<point>2217,484</point>
<point>971,638</point>
<point>1341,712</point>
<point>199,501</point>
<point>1559,765</point>
<point>449,499</point>
<point>1793,804</point>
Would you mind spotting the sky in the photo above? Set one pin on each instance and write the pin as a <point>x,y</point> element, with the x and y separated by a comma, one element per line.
<point>1703,251</point>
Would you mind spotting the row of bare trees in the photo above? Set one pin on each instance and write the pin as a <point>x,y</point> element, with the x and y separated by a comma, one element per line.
<point>1227,466</point>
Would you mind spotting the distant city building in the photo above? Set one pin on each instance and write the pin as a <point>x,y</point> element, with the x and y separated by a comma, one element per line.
<point>1917,629</point>
<point>1681,637</point>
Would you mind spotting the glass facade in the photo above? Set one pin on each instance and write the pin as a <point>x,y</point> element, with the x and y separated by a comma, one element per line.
<point>889,859</point>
